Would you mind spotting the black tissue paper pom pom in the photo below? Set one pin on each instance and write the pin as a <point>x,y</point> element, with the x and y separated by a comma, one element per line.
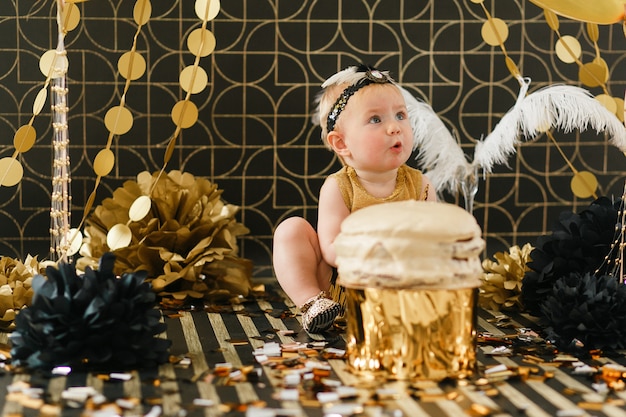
<point>584,312</point>
<point>93,322</point>
<point>579,243</point>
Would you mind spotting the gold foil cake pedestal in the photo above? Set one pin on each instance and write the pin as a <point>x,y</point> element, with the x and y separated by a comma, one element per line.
<point>410,271</point>
<point>411,334</point>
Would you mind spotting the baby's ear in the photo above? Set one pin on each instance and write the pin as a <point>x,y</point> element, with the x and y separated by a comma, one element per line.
<point>337,142</point>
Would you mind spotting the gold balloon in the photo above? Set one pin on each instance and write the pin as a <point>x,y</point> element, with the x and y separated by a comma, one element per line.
<point>603,12</point>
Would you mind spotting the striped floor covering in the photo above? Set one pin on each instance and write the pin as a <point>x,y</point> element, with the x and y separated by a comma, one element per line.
<point>219,369</point>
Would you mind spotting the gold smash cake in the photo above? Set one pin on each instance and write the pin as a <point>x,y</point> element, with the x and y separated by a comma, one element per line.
<point>410,244</point>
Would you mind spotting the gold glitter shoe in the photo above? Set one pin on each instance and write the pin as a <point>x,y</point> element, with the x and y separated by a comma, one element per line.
<point>318,313</point>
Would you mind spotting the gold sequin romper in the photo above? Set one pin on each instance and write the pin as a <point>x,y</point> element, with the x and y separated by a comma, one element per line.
<point>408,187</point>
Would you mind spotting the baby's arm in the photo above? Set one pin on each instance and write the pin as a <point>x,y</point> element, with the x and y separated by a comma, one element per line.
<point>426,184</point>
<point>332,211</point>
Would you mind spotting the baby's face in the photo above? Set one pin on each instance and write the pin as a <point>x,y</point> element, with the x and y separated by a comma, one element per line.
<point>376,128</point>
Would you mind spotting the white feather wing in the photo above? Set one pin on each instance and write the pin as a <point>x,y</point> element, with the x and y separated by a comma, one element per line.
<point>440,155</point>
<point>559,107</point>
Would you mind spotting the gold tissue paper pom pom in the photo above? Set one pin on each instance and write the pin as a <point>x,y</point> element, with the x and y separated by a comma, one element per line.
<point>187,241</point>
<point>502,279</point>
<point>16,291</point>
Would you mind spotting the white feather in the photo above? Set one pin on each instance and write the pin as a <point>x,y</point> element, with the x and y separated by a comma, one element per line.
<point>440,156</point>
<point>559,107</point>
<point>348,75</point>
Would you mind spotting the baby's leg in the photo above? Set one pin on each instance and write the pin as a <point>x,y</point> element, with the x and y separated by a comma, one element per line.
<point>298,263</point>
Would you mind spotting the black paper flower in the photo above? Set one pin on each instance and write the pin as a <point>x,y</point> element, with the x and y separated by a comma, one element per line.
<point>584,312</point>
<point>96,321</point>
<point>579,243</point>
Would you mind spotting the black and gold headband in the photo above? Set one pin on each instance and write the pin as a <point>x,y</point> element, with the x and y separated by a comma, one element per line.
<point>366,75</point>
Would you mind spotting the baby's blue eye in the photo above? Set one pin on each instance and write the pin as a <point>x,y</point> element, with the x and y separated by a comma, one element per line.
<point>401,116</point>
<point>375,119</point>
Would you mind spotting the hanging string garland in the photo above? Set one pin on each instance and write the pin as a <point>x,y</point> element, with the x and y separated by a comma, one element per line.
<point>193,79</point>
<point>52,64</point>
<point>118,120</point>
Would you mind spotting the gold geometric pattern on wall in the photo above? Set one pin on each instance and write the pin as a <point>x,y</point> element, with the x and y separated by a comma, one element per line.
<point>254,137</point>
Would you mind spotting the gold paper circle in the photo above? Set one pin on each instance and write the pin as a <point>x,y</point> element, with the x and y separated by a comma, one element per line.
<point>551,19</point>
<point>593,31</point>
<point>119,236</point>
<point>118,120</point>
<point>75,240</point>
<point>186,119</point>
<point>131,65</point>
<point>196,38</point>
<point>512,66</point>
<point>568,49</point>
<point>40,101</point>
<point>584,184</point>
<point>620,109</point>
<point>104,162</point>
<point>494,31</point>
<point>602,12</point>
<point>592,74</point>
<point>11,171</point>
<point>169,151</point>
<point>24,138</point>
<point>140,208</point>
<point>70,17</point>
<point>142,12</point>
<point>598,60</point>
<point>50,59</point>
<point>193,82</point>
<point>202,12</point>
<point>608,102</point>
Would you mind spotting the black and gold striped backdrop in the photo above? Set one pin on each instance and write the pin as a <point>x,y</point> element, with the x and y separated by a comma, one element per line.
<point>254,137</point>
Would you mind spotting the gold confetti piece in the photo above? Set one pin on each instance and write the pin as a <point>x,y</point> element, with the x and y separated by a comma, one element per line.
<point>479,410</point>
<point>49,410</point>
<point>452,395</point>
<point>533,359</point>
<point>238,342</point>
<point>586,405</point>
<point>565,358</point>
<point>431,397</point>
